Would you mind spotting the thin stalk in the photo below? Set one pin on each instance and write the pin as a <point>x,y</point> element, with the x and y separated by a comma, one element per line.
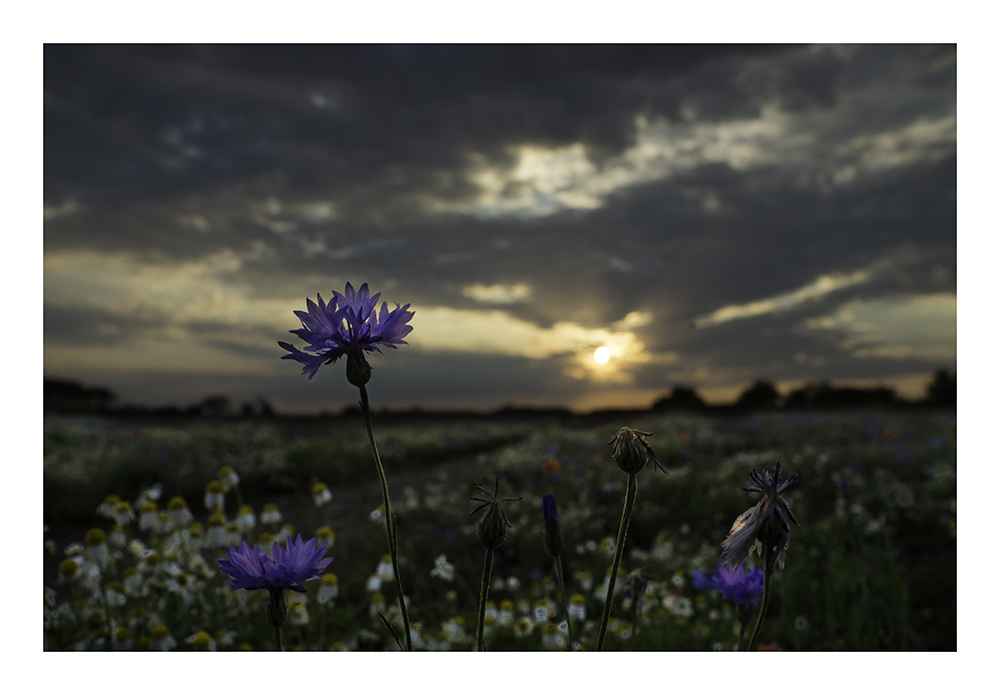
<point>565,603</point>
<point>619,551</point>
<point>484,590</point>
<point>743,632</point>
<point>763,601</point>
<point>390,521</point>
<point>277,638</point>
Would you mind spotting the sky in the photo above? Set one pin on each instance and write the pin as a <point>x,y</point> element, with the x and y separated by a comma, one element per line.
<point>711,215</point>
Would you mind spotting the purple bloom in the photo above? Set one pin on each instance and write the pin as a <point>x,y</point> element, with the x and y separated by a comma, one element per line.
<point>348,325</point>
<point>745,588</point>
<point>702,580</point>
<point>282,568</point>
<point>765,524</point>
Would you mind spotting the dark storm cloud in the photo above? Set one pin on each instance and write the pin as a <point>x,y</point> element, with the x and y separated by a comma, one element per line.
<point>127,124</point>
<point>360,163</point>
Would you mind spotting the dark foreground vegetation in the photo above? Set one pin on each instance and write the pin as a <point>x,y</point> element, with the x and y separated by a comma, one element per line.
<point>871,567</point>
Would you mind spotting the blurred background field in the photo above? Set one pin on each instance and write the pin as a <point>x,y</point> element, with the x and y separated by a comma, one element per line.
<point>872,566</point>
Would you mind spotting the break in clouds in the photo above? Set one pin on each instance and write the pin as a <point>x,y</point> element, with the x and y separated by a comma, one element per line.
<point>712,215</point>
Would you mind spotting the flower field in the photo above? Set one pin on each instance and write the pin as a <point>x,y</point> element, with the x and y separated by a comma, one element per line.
<point>137,514</point>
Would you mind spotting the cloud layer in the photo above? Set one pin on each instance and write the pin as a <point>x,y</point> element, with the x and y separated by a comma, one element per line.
<point>711,214</point>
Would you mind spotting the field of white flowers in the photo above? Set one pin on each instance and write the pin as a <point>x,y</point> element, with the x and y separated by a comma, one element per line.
<point>137,514</point>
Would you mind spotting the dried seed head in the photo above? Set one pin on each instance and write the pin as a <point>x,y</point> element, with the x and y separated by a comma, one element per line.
<point>493,525</point>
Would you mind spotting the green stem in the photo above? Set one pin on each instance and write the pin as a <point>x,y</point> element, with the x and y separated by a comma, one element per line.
<point>277,638</point>
<point>763,601</point>
<point>484,590</point>
<point>562,592</point>
<point>619,551</point>
<point>743,630</point>
<point>390,521</point>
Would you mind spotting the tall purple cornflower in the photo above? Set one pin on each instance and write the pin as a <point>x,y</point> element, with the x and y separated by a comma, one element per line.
<point>282,568</point>
<point>743,587</point>
<point>553,534</point>
<point>764,525</point>
<point>349,325</point>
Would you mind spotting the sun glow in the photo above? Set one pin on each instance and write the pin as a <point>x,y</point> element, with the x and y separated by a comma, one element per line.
<point>602,354</point>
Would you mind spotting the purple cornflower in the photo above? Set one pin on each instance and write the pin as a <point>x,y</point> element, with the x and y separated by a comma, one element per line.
<point>763,525</point>
<point>745,588</point>
<point>282,568</point>
<point>702,580</point>
<point>348,325</point>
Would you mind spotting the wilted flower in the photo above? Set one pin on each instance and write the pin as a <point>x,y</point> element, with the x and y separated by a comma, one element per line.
<point>348,325</point>
<point>743,587</point>
<point>631,452</point>
<point>764,525</point>
<point>553,534</point>
<point>493,525</point>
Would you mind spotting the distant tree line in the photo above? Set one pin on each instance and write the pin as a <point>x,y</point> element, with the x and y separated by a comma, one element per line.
<point>762,395</point>
<point>71,397</point>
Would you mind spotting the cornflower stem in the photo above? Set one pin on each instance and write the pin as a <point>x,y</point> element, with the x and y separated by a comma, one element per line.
<point>484,591</point>
<point>277,638</point>
<point>390,520</point>
<point>630,492</point>
<point>763,601</point>
<point>562,593</point>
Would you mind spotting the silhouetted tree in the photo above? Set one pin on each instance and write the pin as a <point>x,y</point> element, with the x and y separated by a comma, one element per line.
<point>942,389</point>
<point>680,398</point>
<point>823,395</point>
<point>761,394</point>
<point>70,396</point>
<point>257,408</point>
<point>214,406</point>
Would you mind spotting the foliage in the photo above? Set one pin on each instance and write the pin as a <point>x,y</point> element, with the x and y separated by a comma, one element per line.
<point>872,566</point>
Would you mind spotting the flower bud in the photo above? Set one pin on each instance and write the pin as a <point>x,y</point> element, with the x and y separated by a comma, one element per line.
<point>493,525</point>
<point>358,369</point>
<point>631,452</point>
<point>276,608</point>
<point>492,529</point>
<point>553,534</point>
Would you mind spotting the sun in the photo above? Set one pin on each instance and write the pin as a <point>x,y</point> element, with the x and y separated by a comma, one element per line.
<point>602,354</point>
